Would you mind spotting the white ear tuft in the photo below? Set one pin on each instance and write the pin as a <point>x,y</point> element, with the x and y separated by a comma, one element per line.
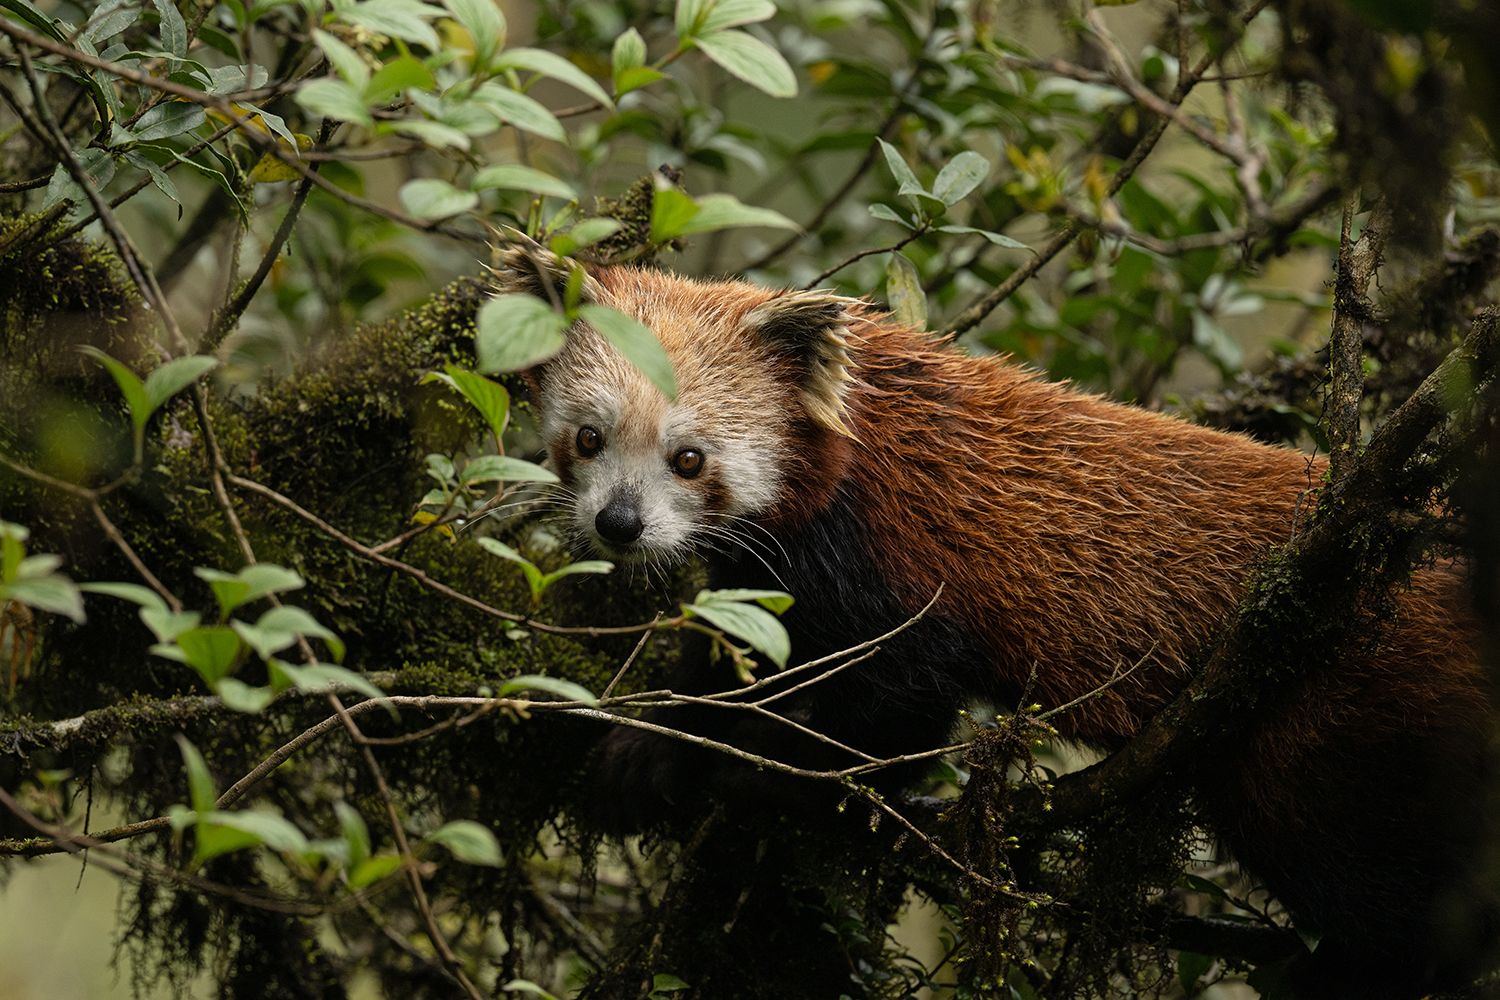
<point>521,264</point>
<point>811,329</point>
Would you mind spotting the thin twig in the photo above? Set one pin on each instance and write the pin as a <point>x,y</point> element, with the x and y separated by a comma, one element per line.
<point>640,644</point>
<point>989,302</point>
<point>253,134</point>
<point>427,581</point>
<point>886,129</point>
<point>861,255</point>
<point>225,318</point>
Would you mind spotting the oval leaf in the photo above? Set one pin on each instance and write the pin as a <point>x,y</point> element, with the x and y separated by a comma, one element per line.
<point>430,198</point>
<point>468,841</point>
<point>752,60</point>
<point>514,332</point>
<point>514,177</point>
<point>636,342</point>
<point>959,176</point>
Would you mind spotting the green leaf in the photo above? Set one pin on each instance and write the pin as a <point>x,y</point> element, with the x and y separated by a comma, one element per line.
<point>664,982</point>
<point>998,239</point>
<point>1191,966</point>
<point>629,52</point>
<point>725,211</point>
<point>174,33</point>
<point>733,13</point>
<point>132,592</point>
<point>212,650</point>
<point>403,19</point>
<point>485,24</point>
<point>131,387</point>
<point>490,398</point>
<point>262,828</point>
<point>534,575</point>
<point>373,870</point>
<point>576,568</point>
<point>776,601</point>
<point>467,841</point>
<point>688,16</point>
<point>435,134</point>
<point>166,120</point>
<point>36,567</point>
<point>903,288</point>
<point>514,177</point>
<point>56,594</point>
<point>888,214</point>
<point>174,376</point>
<point>527,986</point>
<point>519,110</point>
<point>959,176</point>
<point>255,581</point>
<point>586,233</point>
<point>159,177</point>
<point>749,622</point>
<point>636,342</point>
<point>269,578</point>
<point>566,690</point>
<point>98,166</point>
<point>430,198</point>
<point>897,164</point>
<point>279,627</point>
<point>671,211</point>
<point>202,792</point>
<point>107,21</point>
<point>348,64</point>
<point>397,77</point>
<point>168,625</point>
<point>316,676</point>
<point>334,99</point>
<point>517,331</point>
<point>504,468</point>
<point>241,697</point>
<point>752,60</point>
<point>635,78</point>
<point>553,65</point>
<point>354,831</point>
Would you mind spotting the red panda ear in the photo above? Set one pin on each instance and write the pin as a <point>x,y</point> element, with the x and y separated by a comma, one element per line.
<point>812,330</point>
<point>524,265</point>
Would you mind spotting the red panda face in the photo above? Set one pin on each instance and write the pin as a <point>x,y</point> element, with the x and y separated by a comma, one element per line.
<point>650,480</point>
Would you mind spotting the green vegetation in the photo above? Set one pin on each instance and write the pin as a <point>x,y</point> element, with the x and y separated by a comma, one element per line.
<point>277,583</point>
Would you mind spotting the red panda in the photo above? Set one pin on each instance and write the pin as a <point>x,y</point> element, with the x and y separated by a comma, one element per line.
<point>818,447</point>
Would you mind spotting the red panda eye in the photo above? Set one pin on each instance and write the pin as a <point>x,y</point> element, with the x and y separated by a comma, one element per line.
<point>590,442</point>
<point>687,463</point>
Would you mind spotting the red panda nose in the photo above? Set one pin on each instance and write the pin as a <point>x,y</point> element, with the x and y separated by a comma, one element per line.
<point>619,521</point>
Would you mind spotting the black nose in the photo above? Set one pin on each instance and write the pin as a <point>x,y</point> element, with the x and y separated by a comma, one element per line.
<point>619,521</point>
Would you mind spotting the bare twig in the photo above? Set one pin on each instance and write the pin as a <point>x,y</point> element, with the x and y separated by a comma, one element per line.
<point>640,644</point>
<point>861,255</point>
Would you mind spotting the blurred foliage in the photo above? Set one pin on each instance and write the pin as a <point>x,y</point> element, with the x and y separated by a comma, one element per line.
<point>301,174</point>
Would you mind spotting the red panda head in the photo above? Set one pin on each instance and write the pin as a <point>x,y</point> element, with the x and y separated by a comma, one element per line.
<point>763,377</point>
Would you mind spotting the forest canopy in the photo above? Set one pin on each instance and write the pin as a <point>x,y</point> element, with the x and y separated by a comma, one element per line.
<point>291,645</point>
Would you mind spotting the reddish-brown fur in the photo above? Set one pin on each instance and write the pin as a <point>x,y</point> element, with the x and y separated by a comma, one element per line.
<point>1076,538</point>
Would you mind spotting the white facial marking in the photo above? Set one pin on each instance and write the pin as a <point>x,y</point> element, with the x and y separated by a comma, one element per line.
<point>740,475</point>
